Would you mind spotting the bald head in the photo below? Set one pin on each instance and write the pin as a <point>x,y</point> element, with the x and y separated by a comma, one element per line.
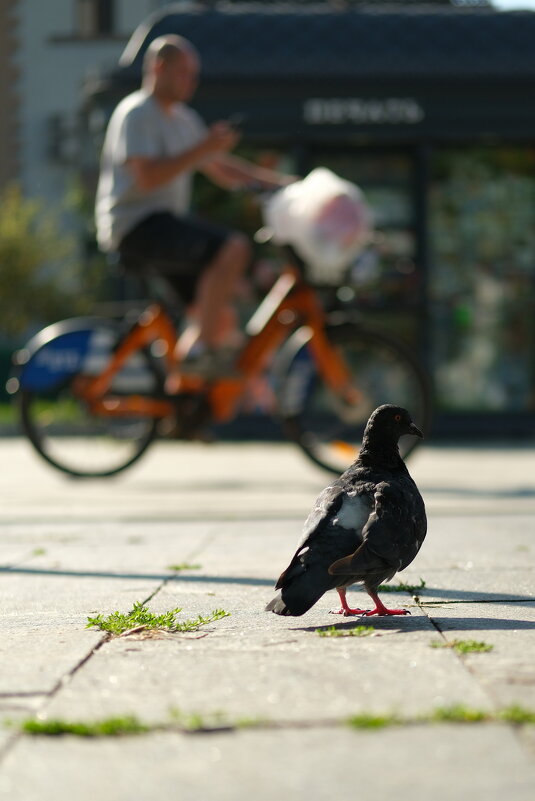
<point>166,49</point>
<point>171,69</point>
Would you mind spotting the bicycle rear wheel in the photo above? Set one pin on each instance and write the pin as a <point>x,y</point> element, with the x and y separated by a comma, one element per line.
<point>329,429</point>
<point>60,425</point>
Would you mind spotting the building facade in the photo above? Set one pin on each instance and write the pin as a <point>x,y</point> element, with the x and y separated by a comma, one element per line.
<point>9,97</point>
<point>47,50</point>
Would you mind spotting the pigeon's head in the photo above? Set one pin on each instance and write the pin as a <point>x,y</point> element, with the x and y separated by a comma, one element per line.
<point>390,422</point>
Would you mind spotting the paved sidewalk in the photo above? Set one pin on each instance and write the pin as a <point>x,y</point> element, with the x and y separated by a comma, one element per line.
<point>72,548</point>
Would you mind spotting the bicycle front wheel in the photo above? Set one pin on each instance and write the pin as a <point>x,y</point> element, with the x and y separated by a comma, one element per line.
<point>328,428</point>
<point>60,424</point>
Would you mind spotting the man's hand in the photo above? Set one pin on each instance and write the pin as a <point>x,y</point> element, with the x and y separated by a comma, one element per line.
<point>221,138</point>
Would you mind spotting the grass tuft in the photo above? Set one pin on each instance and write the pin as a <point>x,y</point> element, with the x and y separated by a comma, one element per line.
<point>333,631</point>
<point>458,713</point>
<point>199,721</point>
<point>141,618</point>
<point>109,727</point>
<point>464,646</point>
<point>218,721</point>
<point>517,714</point>
<point>184,566</point>
<point>412,589</point>
<point>369,721</point>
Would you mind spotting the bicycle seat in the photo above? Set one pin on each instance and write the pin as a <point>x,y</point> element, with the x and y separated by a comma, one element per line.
<point>133,288</point>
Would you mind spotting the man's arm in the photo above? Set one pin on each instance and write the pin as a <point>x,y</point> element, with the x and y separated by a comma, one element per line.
<point>150,173</point>
<point>233,172</point>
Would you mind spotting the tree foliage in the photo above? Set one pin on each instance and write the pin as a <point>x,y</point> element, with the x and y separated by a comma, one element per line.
<point>40,275</point>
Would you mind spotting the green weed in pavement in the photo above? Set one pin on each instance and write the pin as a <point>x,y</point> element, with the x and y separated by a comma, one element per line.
<point>333,631</point>
<point>517,714</point>
<point>200,721</point>
<point>464,646</point>
<point>459,713</point>
<point>109,727</point>
<point>218,721</point>
<point>183,566</point>
<point>412,589</point>
<point>369,721</point>
<point>141,618</point>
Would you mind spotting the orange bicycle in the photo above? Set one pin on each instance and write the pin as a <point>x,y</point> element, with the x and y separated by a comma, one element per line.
<point>92,393</point>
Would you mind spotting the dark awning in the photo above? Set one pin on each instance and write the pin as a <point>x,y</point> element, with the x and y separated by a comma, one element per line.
<point>379,70</point>
<point>248,41</point>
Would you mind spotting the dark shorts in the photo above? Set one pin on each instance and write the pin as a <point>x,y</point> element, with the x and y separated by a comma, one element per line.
<point>177,248</point>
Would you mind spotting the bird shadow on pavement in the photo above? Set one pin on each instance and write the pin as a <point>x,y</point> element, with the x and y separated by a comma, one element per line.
<point>427,598</point>
<point>66,573</point>
<point>401,624</point>
<point>435,596</point>
<point>482,624</point>
<point>467,492</point>
<point>407,625</point>
<point>426,621</point>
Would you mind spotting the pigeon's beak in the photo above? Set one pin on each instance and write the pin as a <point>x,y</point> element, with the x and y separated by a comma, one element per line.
<point>415,430</point>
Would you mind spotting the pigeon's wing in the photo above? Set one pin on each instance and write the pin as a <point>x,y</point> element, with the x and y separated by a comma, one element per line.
<point>393,533</point>
<point>326,505</point>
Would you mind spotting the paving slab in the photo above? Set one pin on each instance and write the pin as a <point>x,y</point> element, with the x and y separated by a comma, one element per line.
<point>445,763</point>
<point>105,549</point>
<point>507,672</point>
<point>43,626</point>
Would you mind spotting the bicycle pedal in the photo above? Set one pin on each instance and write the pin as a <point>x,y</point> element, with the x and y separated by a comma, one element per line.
<point>192,413</point>
<point>171,428</point>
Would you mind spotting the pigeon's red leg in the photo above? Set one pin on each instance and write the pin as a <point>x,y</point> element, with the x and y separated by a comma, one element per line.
<point>346,610</point>
<point>380,608</point>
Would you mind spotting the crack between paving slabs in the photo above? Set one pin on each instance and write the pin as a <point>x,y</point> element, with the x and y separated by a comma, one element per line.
<point>48,696</point>
<point>516,730</point>
<point>61,682</point>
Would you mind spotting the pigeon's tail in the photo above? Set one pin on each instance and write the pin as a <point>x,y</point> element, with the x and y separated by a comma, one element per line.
<point>301,592</point>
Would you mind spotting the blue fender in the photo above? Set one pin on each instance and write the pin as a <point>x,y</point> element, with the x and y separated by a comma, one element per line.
<point>55,354</point>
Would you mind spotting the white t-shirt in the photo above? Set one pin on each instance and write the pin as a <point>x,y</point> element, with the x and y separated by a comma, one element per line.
<point>140,127</point>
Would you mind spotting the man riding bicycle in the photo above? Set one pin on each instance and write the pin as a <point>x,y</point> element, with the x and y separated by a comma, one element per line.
<point>154,143</point>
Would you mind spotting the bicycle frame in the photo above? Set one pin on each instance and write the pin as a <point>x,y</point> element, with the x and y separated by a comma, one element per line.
<point>289,305</point>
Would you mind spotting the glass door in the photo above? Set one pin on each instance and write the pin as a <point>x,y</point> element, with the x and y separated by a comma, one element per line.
<point>482,278</point>
<point>385,283</point>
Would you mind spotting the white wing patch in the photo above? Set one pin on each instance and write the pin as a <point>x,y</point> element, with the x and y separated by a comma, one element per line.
<point>353,513</point>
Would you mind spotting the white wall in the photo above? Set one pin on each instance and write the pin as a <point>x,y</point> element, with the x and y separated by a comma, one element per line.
<point>53,63</point>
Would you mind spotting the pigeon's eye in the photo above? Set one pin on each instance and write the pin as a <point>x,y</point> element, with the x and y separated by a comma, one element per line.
<point>397,418</point>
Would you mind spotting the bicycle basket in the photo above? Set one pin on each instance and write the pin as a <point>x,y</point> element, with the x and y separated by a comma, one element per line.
<point>325,219</point>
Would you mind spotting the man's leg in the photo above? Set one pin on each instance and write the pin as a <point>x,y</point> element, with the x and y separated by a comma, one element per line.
<point>213,319</point>
<point>204,263</point>
<point>217,287</point>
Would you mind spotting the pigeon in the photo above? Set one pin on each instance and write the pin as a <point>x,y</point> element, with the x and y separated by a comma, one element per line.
<point>364,527</point>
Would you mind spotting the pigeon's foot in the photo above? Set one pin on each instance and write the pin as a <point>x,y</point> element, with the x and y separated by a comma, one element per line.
<point>346,610</point>
<point>381,610</point>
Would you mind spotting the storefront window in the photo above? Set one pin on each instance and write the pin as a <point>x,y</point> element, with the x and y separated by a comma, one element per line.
<point>481,282</point>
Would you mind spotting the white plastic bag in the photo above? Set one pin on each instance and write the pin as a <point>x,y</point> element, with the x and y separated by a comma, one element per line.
<point>325,218</point>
